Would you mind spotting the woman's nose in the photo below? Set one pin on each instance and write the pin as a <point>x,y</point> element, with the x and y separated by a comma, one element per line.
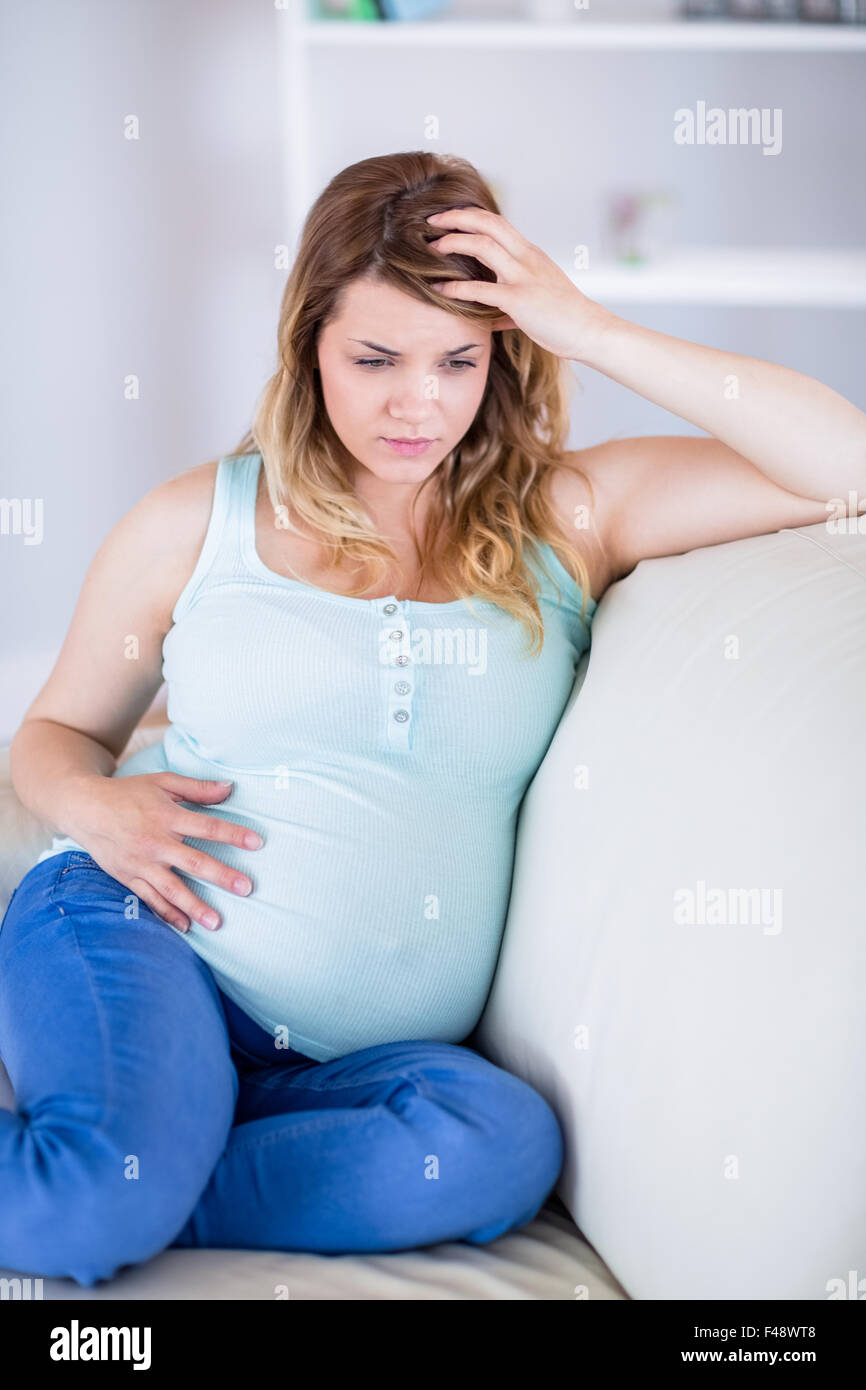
<point>415,392</point>
<point>410,410</point>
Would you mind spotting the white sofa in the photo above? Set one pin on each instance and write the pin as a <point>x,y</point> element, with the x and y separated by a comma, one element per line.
<point>683,968</point>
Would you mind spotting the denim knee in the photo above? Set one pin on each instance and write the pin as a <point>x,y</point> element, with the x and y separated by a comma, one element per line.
<point>550,1152</point>
<point>98,1207</point>
<point>524,1155</point>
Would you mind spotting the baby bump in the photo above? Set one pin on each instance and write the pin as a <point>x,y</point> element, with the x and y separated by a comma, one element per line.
<point>350,946</point>
<point>374,916</point>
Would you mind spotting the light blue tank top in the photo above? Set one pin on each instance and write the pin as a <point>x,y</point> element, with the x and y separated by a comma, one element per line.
<point>381,747</point>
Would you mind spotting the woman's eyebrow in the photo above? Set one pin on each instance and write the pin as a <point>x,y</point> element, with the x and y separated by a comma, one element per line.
<point>392,352</point>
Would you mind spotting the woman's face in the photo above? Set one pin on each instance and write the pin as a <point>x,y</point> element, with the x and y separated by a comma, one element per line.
<point>394,368</point>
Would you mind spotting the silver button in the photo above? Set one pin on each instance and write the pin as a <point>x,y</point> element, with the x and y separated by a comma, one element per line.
<point>395,636</point>
<point>402,687</point>
<point>402,660</point>
<point>390,608</point>
<point>401,715</point>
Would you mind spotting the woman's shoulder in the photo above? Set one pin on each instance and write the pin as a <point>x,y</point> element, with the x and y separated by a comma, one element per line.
<point>192,488</point>
<point>168,526</point>
<point>187,499</point>
<point>579,513</point>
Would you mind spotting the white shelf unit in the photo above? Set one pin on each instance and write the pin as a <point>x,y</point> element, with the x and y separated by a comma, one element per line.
<point>584,32</point>
<point>825,277</point>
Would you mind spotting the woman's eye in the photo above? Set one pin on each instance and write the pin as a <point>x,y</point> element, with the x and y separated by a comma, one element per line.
<point>455,362</point>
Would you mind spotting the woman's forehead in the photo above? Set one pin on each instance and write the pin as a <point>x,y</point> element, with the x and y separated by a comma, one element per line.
<point>381,314</point>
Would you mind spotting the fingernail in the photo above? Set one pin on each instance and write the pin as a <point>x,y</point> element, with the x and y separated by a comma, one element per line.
<point>252,840</point>
<point>243,885</point>
<point>210,919</point>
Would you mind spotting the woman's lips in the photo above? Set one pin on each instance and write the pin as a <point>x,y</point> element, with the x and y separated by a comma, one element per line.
<point>408,446</point>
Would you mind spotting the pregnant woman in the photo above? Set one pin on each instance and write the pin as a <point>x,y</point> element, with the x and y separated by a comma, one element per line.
<point>236,994</point>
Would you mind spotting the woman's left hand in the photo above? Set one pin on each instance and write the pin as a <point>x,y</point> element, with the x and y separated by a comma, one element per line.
<point>534,294</point>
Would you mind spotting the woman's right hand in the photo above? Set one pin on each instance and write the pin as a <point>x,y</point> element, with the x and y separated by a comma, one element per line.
<point>134,828</point>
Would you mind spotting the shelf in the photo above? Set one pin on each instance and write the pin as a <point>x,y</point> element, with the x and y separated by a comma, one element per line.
<point>580,33</point>
<point>797,278</point>
<point>739,276</point>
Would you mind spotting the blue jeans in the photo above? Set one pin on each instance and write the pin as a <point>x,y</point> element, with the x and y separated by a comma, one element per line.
<point>153,1112</point>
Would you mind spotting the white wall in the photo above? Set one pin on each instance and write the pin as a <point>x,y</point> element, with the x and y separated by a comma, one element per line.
<point>152,257</point>
<point>155,256</point>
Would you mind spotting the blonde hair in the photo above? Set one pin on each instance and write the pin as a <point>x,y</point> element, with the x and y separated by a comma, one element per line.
<point>489,501</point>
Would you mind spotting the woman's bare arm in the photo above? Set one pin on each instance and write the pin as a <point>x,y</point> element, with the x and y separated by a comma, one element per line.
<point>106,676</point>
<point>110,665</point>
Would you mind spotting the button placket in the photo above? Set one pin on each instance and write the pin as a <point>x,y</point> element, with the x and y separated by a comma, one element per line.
<point>398,683</point>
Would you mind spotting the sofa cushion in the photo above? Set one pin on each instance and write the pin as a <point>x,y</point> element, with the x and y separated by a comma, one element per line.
<point>703,1048</point>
